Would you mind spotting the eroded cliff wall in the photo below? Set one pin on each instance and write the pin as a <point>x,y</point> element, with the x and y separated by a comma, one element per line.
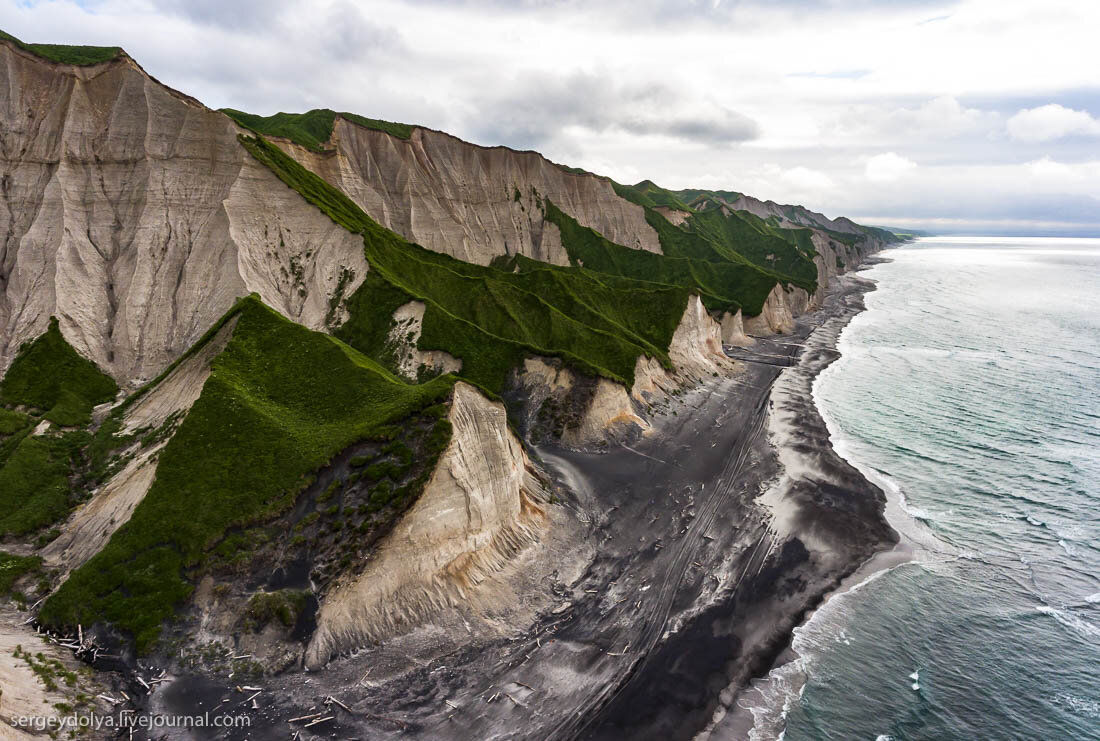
<point>482,506</point>
<point>132,213</point>
<point>474,203</point>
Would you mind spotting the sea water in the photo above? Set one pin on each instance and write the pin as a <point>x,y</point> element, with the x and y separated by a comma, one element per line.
<point>970,390</point>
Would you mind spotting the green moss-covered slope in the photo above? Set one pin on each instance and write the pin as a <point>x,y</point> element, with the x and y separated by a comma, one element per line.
<point>78,55</point>
<point>281,400</point>
<point>48,374</point>
<point>311,129</point>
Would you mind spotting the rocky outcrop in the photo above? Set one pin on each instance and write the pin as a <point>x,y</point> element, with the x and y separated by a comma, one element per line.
<point>411,363</point>
<point>133,214</point>
<point>696,347</point>
<point>776,317</point>
<point>733,330</point>
<point>471,202</point>
<point>482,507</point>
<point>695,351</point>
<point>577,410</point>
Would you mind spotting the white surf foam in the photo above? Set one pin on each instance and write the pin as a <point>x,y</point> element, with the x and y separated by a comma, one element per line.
<point>1078,625</point>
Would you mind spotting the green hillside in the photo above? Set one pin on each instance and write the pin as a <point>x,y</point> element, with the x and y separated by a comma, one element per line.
<point>281,397</point>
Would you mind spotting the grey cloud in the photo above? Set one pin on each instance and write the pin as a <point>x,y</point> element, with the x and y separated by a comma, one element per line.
<point>228,14</point>
<point>537,107</point>
<point>350,35</point>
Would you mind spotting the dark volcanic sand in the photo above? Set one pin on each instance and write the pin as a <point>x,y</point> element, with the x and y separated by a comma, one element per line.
<point>694,589</point>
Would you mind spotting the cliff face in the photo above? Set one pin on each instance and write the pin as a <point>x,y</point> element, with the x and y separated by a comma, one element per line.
<point>481,507</point>
<point>132,213</point>
<point>470,202</point>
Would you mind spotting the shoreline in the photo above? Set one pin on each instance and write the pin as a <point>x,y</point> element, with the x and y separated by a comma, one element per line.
<point>755,701</point>
<point>761,613</point>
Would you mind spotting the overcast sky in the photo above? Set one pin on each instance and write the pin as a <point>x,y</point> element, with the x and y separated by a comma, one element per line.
<point>978,116</point>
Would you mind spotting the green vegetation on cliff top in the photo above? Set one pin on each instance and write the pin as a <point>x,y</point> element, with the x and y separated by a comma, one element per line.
<point>78,55</point>
<point>281,397</point>
<point>313,128</point>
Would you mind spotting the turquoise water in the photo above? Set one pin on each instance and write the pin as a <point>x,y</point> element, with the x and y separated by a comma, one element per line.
<point>970,388</point>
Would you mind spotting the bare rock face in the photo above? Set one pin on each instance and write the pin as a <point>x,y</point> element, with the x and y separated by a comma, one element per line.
<point>792,216</point>
<point>408,321</point>
<point>733,330</point>
<point>578,410</point>
<point>132,213</point>
<point>481,508</point>
<point>474,203</point>
<point>776,317</point>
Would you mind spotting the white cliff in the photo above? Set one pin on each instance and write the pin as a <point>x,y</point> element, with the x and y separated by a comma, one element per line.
<point>133,214</point>
<point>471,202</point>
<point>482,506</point>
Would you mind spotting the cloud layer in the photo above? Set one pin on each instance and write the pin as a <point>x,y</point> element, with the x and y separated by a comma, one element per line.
<point>967,114</point>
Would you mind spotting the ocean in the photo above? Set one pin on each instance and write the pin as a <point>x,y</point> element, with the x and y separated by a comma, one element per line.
<point>969,390</point>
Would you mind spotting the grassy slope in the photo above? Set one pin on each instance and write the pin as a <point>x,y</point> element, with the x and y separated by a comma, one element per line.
<point>738,237</point>
<point>50,375</point>
<point>689,262</point>
<point>786,252</point>
<point>34,485</point>
<point>78,55</point>
<point>311,129</point>
<point>283,398</point>
<point>492,317</point>
<point>12,567</point>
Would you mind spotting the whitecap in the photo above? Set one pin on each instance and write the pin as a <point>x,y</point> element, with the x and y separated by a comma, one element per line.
<point>1081,705</point>
<point>915,675</point>
<point>1071,621</point>
<point>1093,598</point>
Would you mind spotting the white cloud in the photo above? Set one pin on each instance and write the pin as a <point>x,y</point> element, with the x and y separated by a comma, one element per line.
<point>1051,121</point>
<point>888,167</point>
<point>806,178</point>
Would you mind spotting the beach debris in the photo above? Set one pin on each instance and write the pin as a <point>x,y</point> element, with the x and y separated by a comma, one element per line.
<point>300,718</point>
